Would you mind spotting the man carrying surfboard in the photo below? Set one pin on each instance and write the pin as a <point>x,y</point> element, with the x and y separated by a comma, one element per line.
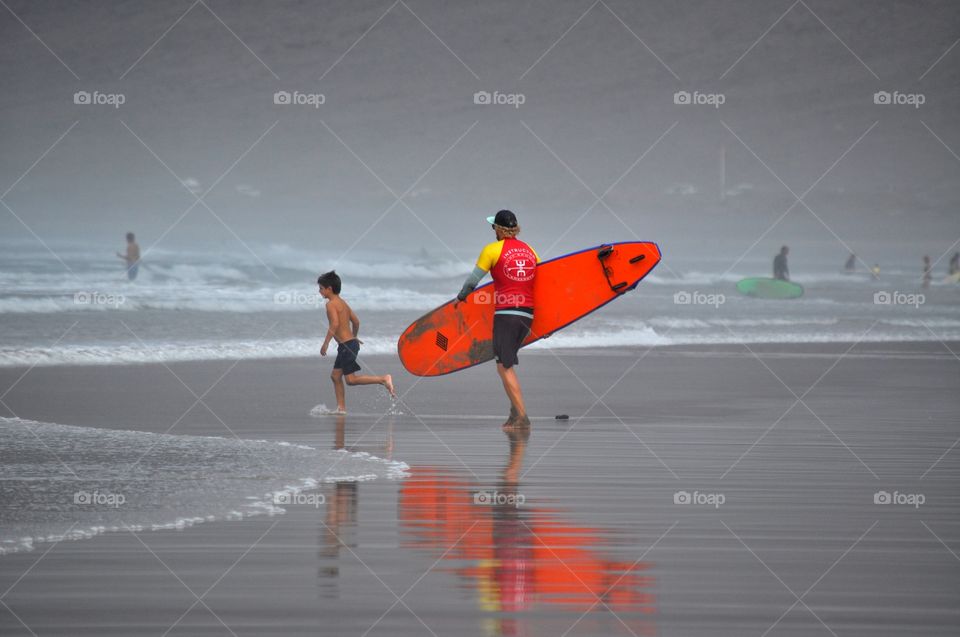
<point>513,266</point>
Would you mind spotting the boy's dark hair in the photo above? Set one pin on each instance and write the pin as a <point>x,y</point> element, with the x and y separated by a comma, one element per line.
<point>130,236</point>
<point>330,280</point>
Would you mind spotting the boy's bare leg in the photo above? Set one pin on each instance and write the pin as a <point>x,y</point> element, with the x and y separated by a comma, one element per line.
<point>511,384</point>
<point>338,390</point>
<point>386,380</point>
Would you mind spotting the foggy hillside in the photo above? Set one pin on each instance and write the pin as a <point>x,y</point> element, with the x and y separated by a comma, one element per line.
<point>398,82</point>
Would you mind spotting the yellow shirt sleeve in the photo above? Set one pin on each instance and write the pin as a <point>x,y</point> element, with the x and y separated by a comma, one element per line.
<point>490,255</point>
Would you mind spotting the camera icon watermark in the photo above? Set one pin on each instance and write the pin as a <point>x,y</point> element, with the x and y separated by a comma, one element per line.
<point>495,498</point>
<point>92,297</point>
<point>296,297</point>
<point>491,297</point>
<point>710,499</point>
<point>885,98</point>
<point>909,499</point>
<point>99,498</point>
<point>299,499</point>
<point>296,98</point>
<point>685,98</point>
<point>515,100</point>
<point>898,298</point>
<point>698,298</point>
<point>96,98</point>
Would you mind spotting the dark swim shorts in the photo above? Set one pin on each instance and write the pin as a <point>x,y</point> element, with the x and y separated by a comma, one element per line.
<point>509,330</point>
<point>347,354</point>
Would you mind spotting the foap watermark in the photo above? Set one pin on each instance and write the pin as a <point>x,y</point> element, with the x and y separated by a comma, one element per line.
<point>495,498</point>
<point>492,297</point>
<point>92,297</point>
<point>899,298</point>
<point>908,499</point>
<point>296,98</point>
<point>885,98</point>
<point>299,499</point>
<point>698,298</point>
<point>515,100</point>
<point>294,297</point>
<point>697,98</point>
<point>99,498</point>
<point>96,98</point>
<point>710,499</point>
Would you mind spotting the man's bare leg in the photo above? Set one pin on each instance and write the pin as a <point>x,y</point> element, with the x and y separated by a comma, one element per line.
<point>386,380</point>
<point>511,384</point>
<point>339,391</point>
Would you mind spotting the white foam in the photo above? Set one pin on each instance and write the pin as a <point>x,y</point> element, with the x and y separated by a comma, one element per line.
<point>168,481</point>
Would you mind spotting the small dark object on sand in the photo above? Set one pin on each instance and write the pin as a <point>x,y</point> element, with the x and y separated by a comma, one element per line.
<point>562,417</point>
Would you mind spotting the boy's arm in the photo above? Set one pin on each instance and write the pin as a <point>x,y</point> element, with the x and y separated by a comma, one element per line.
<point>334,322</point>
<point>355,322</point>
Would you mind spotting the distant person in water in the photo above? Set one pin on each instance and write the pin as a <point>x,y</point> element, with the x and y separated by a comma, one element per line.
<point>851,263</point>
<point>780,269</point>
<point>513,266</point>
<point>875,271</point>
<point>955,263</point>
<point>927,272</point>
<point>132,257</point>
<point>344,327</point>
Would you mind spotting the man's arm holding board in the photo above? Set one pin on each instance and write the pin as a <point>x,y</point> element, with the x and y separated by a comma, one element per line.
<point>487,259</point>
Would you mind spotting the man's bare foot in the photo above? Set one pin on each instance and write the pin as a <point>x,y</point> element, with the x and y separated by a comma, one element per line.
<point>341,410</point>
<point>516,424</point>
<point>388,383</point>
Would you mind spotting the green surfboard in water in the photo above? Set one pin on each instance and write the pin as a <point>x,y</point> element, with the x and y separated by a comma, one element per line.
<point>763,288</point>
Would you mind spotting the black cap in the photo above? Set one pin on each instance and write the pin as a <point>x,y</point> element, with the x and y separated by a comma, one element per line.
<point>504,219</point>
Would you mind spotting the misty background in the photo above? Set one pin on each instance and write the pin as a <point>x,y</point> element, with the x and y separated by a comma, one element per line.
<point>399,119</point>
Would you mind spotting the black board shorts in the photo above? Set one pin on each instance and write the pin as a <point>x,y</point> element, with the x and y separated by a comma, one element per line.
<point>509,331</point>
<point>347,354</point>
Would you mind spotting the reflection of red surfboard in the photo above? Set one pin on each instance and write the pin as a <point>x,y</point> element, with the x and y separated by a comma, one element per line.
<point>568,288</point>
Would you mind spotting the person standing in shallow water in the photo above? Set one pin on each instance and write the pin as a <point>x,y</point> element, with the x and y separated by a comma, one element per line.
<point>780,269</point>
<point>132,257</point>
<point>513,266</point>
<point>927,272</point>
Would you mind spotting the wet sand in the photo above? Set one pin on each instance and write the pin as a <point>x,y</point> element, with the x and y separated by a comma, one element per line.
<point>694,490</point>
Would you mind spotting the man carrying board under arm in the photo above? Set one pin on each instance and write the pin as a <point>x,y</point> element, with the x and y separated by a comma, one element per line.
<point>513,266</point>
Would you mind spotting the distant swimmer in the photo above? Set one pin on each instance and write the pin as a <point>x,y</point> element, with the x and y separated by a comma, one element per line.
<point>875,271</point>
<point>780,269</point>
<point>927,272</point>
<point>851,263</point>
<point>513,266</point>
<point>132,257</point>
<point>344,327</point>
<point>955,263</point>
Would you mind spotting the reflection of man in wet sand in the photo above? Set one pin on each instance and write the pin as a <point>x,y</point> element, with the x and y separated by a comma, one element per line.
<point>132,257</point>
<point>519,557</point>
<point>513,542</point>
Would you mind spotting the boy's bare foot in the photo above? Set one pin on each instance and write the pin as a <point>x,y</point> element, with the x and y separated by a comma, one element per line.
<point>341,410</point>
<point>388,383</point>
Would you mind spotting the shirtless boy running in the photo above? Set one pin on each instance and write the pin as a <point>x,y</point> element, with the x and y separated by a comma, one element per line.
<point>344,327</point>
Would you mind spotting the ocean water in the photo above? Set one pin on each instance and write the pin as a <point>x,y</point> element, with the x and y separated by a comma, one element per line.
<point>74,305</point>
<point>61,482</point>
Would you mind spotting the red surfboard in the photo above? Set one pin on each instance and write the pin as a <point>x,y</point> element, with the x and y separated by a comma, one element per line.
<point>567,288</point>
